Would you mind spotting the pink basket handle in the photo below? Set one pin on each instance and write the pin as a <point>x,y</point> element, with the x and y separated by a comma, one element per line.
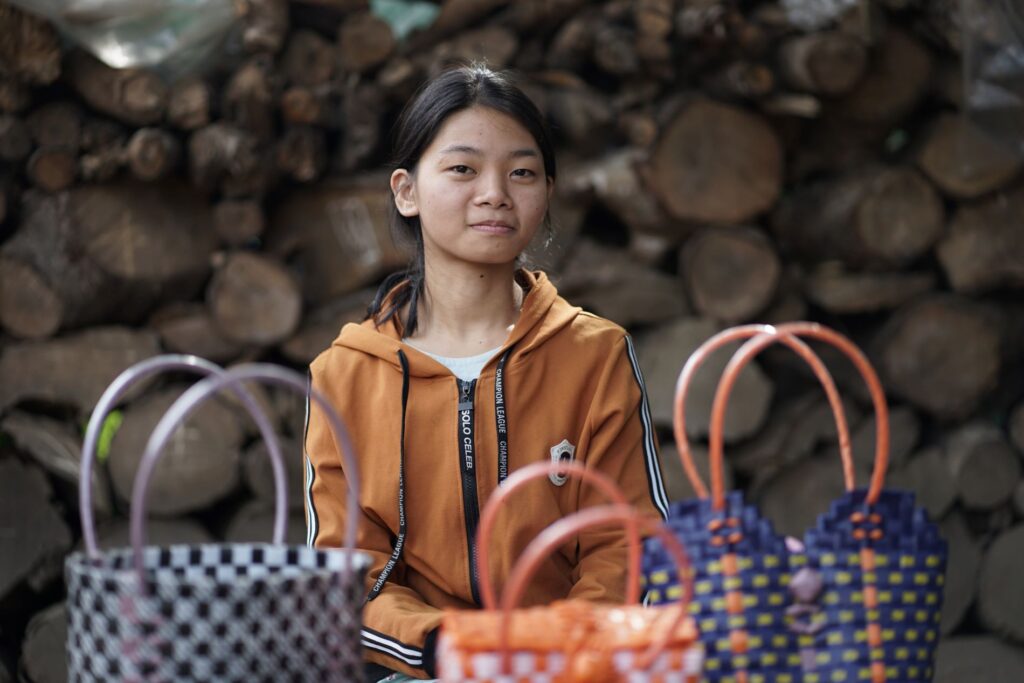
<point>698,357</point>
<point>520,478</point>
<point>202,391</point>
<point>120,386</point>
<point>559,532</point>
<point>755,346</point>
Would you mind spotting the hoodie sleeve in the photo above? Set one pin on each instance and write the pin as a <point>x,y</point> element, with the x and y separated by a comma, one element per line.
<point>622,445</point>
<point>399,629</point>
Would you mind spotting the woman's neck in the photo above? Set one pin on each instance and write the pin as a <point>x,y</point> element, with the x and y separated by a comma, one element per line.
<point>467,309</point>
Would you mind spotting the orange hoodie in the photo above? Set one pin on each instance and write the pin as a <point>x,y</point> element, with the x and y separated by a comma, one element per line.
<point>565,384</point>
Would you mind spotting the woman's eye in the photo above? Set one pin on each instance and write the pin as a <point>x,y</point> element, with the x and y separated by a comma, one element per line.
<point>523,173</point>
<point>461,168</point>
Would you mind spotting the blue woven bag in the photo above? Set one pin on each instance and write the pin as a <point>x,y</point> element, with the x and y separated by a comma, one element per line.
<point>857,600</point>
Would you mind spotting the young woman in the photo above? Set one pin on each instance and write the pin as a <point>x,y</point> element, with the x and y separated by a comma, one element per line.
<point>467,368</point>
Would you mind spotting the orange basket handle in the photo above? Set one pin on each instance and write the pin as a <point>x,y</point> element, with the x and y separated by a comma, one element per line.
<point>562,530</point>
<point>724,337</point>
<point>779,333</point>
<point>540,470</point>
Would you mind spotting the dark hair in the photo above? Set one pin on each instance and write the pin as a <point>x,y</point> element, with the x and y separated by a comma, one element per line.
<point>448,93</point>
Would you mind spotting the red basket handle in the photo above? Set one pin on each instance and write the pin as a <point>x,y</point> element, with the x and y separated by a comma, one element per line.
<point>755,346</point>
<point>520,478</point>
<point>724,337</point>
<point>556,534</point>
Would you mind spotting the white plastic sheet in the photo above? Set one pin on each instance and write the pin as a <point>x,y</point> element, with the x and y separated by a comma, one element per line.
<point>178,35</point>
<point>993,53</point>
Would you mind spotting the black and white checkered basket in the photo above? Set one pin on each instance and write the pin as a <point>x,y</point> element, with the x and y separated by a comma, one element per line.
<point>228,612</point>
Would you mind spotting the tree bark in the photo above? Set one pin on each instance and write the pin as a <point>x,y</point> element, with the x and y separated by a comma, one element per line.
<point>189,328</point>
<point>107,253</point>
<point>73,370</point>
<point>254,300</point>
<point>1000,601</point>
<point>29,307</point>
<point>604,281</point>
<point>731,274</point>
<point>249,97</point>
<point>152,153</point>
<point>131,95</point>
<point>716,164</point>
<point>52,169</point>
<point>238,221</point>
<point>220,151</point>
<point>301,153</point>
<point>337,234</point>
<point>30,50</point>
<point>985,467</point>
<point>664,349</point>
<point>35,533</point>
<point>874,216</point>
<point>15,139</point>
<point>309,60</point>
<point>977,658</point>
<point>58,124</point>
<point>188,104</point>
<point>56,447</point>
<point>199,466</point>
<point>265,26</point>
<point>923,358</point>
<point>963,564</point>
<point>985,246</point>
<point>828,62</point>
<point>964,161</point>
<point>897,78</point>
<point>365,41</point>
<point>14,96</point>
<point>254,523</point>
<point>843,292</point>
<point>43,659</point>
<point>259,476</point>
<point>307,107</point>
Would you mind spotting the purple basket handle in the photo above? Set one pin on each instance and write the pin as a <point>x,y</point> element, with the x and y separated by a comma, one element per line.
<point>119,387</point>
<point>202,391</point>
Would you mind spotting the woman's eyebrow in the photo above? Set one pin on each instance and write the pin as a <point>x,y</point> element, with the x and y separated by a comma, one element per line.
<point>468,149</point>
<point>460,149</point>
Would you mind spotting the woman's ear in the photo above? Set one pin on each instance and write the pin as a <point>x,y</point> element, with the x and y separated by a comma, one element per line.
<point>404,190</point>
<point>551,188</point>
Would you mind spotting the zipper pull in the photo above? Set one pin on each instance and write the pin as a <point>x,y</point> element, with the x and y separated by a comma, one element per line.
<point>465,395</point>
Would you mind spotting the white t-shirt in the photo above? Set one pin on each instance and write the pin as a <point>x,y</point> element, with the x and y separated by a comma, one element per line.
<point>467,368</point>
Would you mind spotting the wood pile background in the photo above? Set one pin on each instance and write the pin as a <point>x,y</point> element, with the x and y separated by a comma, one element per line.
<point>718,165</point>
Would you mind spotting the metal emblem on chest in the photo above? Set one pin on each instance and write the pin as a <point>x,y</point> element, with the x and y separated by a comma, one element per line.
<point>563,452</point>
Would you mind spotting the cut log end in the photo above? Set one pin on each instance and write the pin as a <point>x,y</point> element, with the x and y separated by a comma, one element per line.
<point>1000,600</point>
<point>928,335</point>
<point>963,161</point>
<point>984,466</point>
<point>254,300</point>
<point>52,168</point>
<point>152,153</point>
<point>29,307</point>
<point>702,167</point>
<point>731,274</point>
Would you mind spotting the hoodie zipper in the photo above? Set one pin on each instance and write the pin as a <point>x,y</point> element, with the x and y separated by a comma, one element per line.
<point>467,465</point>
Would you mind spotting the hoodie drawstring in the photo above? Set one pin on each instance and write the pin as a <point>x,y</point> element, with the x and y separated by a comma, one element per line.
<point>396,554</point>
<point>501,417</point>
<point>501,426</point>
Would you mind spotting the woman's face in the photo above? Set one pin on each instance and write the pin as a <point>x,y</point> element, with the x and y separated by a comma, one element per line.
<point>479,189</point>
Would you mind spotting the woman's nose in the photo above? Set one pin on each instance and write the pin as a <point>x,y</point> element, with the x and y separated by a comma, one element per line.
<point>493,191</point>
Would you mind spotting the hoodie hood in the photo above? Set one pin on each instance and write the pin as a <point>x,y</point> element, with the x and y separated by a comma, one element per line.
<point>544,313</point>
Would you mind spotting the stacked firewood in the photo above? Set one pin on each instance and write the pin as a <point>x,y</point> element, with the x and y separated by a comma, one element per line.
<point>719,164</point>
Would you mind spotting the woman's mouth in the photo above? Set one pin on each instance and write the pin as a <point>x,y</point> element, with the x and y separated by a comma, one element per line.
<point>493,227</point>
